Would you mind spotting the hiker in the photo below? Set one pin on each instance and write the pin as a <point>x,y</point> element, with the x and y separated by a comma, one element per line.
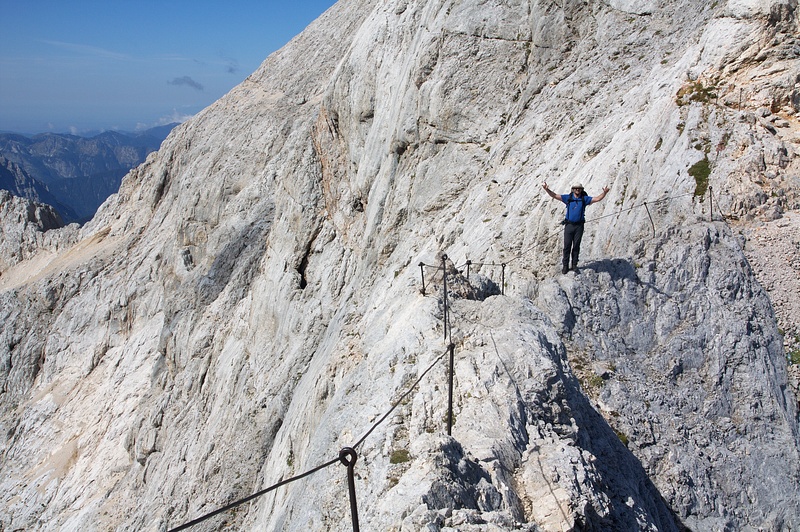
<point>576,201</point>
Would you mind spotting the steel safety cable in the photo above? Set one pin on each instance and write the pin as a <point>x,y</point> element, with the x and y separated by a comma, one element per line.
<point>535,245</point>
<point>254,496</point>
<point>715,194</point>
<point>394,405</point>
<point>400,400</point>
<point>319,467</point>
<point>648,202</point>
<point>479,264</point>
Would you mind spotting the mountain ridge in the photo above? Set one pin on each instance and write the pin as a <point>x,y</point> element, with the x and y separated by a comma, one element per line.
<point>249,303</point>
<point>75,173</point>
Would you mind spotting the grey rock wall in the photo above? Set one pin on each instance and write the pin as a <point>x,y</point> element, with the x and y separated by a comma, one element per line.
<point>249,303</point>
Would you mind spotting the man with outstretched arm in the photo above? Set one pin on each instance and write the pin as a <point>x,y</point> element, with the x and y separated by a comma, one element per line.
<point>576,201</point>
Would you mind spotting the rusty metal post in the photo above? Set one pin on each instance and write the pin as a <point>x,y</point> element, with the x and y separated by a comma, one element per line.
<point>444,280</point>
<point>651,219</point>
<point>711,201</point>
<point>452,348</point>
<point>348,457</point>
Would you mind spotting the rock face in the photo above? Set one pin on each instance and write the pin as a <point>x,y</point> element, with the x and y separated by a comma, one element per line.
<point>250,303</point>
<point>773,250</point>
<point>26,230</point>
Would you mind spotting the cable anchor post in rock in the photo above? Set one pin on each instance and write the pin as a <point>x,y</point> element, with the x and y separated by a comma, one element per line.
<point>711,202</point>
<point>652,224</point>
<point>444,281</point>
<point>503,279</point>
<point>451,348</point>
<point>422,273</point>
<point>348,457</point>
<point>469,263</point>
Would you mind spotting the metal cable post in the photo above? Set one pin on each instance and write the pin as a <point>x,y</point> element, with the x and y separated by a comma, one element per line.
<point>348,457</point>
<point>469,263</point>
<point>444,279</point>
<point>422,273</point>
<point>711,201</point>
<point>503,279</point>
<point>651,219</point>
<point>452,348</point>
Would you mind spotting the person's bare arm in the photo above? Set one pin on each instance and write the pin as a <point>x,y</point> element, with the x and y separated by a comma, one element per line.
<point>600,196</point>
<point>551,193</point>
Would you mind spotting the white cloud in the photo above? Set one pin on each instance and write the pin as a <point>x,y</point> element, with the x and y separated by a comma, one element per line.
<point>172,118</point>
<point>89,50</point>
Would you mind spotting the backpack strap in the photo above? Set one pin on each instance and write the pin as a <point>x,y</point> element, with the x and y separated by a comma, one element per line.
<point>583,208</point>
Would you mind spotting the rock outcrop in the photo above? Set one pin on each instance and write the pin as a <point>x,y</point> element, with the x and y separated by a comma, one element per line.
<point>25,231</point>
<point>19,183</point>
<point>250,303</point>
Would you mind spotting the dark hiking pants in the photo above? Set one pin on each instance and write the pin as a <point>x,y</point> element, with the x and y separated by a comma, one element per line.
<point>573,233</point>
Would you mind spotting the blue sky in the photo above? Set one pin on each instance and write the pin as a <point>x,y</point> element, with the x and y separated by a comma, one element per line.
<point>81,65</point>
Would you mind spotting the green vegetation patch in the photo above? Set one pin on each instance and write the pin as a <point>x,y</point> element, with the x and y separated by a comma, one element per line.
<point>695,92</point>
<point>399,456</point>
<point>595,381</point>
<point>700,172</point>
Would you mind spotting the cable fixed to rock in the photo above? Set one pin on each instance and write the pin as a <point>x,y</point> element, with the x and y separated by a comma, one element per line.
<point>253,496</point>
<point>400,400</point>
<point>444,295</point>
<point>346,456</point>
<point>535,245</point>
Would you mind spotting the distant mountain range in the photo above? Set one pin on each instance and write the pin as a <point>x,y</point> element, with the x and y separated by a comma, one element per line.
<point>72,173</point>
<point>17,181</point>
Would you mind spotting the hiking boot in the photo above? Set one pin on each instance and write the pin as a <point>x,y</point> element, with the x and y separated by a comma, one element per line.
<point>564,269</point>
<point>574,269</point>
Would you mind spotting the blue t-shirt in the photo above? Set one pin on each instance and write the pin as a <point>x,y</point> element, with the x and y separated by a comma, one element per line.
<point>575,207</point>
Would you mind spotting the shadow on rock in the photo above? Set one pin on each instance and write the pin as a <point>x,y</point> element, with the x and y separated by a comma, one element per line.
<point>624,477</point>
<point>618,269</point>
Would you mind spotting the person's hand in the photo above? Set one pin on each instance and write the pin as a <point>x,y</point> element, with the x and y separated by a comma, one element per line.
<point>606,189</point>
<point>545,187</point>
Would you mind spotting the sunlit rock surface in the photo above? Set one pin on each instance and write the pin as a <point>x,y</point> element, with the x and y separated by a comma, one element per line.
<point>250,303</point>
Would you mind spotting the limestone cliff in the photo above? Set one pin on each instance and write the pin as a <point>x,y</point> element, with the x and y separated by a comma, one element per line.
<point>250,302</point>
